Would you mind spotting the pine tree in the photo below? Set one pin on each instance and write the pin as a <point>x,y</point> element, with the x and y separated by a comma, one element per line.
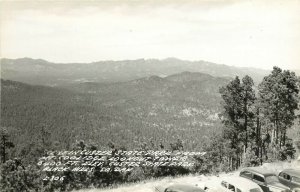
<point>238,116</point>
<point>278,98</point>
<point>248,96</point>
<point>232,117</point>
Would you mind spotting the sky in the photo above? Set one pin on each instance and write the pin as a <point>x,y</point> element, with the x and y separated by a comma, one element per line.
<point>241,33</point>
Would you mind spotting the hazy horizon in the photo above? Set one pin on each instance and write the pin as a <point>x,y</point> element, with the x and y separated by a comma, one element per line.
<point>67,63</point>
<point>259,34</point>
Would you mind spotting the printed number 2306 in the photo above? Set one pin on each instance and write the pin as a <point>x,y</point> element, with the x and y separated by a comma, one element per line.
<point>54,178</point>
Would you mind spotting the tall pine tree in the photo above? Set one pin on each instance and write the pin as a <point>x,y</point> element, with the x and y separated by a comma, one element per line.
<point>278,97</point>
<point>238,115</point>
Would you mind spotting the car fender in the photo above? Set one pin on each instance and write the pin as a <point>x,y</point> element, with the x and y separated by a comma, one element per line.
<point>296,190</point>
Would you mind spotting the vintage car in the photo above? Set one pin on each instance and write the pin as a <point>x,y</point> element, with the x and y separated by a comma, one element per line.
<point>267,180</point>
<point>178,188</point>
<point>231,184</point>
<point>290,178</point>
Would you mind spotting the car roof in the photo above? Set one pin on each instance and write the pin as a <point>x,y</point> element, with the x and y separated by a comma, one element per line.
<point>292,172</point>
<point>240,182</point>
<point>186,188</point>
<point>259,170</point>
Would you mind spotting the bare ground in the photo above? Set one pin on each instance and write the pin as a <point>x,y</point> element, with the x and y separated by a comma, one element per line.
<point>199,180</point>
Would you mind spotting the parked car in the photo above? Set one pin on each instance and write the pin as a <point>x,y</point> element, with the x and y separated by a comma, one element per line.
<point>290,178</point>
<point>267,180</point>
<point>178,188</point>
<point>232,184</point>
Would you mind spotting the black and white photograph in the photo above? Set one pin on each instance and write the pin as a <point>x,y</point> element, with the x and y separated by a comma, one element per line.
<point>150,96</point>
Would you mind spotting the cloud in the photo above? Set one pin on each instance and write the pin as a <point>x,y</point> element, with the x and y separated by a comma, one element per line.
<point>241,33</point>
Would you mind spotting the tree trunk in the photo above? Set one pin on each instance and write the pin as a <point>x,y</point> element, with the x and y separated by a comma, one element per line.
<point>246,123</point>
<point>261,155</point>
<point>284,137</point>
<point>280,141</point>
<point>3,149</point>
<point>257,139</point>
<point>237,161</point>
<point>277,132</point>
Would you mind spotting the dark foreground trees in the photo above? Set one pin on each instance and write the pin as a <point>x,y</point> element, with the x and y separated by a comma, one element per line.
<point>238,116</point>
<point>278,98</point>
<point>256,123</point>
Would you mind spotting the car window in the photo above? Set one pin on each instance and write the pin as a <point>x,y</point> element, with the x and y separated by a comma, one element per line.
<point>246,174</point>
<point>231,187</point>
<point>296,180</point>
<point>287,177</point>
<point>281,174</point>
<point>258,178</point>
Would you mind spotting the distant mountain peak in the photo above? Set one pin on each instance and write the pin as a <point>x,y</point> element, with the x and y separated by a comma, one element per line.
<point>41,72</point>
<point>189,76</point>
<point>154,78</point>
<point>172,59</point>
<point>24,60</point>
<point>150,79</point>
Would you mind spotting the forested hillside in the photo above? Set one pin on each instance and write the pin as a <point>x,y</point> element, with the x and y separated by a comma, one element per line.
<point>148,110</point>
<point>236,123</point>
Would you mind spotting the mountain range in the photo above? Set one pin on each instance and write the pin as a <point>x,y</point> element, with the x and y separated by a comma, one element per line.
<point>41,72</point>
<point>127,102</point>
